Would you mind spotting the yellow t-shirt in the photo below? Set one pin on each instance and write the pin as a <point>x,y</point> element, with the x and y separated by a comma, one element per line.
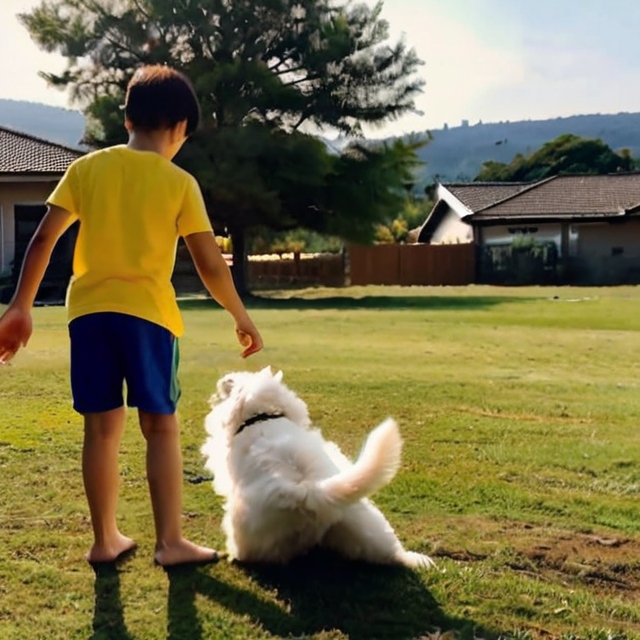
<point>132,207</point>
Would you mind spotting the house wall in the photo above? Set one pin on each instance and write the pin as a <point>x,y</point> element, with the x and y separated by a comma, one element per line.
<point>452,230</point>
<point>610,253</point>
<point>11,194</point>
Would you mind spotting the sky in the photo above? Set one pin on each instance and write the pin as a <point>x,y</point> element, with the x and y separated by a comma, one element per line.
<point>484,60</point>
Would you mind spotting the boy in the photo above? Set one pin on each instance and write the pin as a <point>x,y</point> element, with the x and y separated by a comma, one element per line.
<point>132,203</point>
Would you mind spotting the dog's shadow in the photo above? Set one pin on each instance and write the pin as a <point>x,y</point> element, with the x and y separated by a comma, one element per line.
<point>320,592</point>
<point>364,601</point>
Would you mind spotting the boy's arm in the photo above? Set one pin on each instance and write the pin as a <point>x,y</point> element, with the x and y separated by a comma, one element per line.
<point>216,277</point>
<point>15,323</point>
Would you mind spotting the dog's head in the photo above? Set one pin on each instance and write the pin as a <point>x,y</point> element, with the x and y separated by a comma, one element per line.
<point>243,395</point>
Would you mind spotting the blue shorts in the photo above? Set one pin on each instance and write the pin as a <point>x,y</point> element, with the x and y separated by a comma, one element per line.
<point>111,349</point>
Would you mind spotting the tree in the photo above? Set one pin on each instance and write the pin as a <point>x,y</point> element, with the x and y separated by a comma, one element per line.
<point>267,73</point>
<point>404,226</point>
<point>566,154</point>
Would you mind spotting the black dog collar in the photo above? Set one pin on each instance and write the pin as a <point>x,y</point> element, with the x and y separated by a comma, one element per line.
<point>261,417</point>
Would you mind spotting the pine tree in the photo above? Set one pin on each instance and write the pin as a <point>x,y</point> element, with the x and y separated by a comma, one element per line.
<point>269,74</point>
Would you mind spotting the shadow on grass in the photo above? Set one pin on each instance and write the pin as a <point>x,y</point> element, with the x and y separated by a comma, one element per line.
<point>108,614</point>
<point>321,592</point>
<point>443,303</point>
<point>186,583</point>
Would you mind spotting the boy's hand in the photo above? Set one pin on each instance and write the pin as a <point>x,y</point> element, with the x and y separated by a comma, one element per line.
<point>215,275</point>
<point>249,338</point>
<point>15,330</point>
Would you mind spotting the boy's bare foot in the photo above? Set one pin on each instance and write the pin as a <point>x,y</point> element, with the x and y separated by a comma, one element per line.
<point>116,549</point>
<point>184,552</point>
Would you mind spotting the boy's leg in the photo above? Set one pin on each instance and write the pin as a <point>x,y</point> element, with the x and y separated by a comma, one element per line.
<point>96,384</point>
<point>164,474</point>
<point>102,434</point>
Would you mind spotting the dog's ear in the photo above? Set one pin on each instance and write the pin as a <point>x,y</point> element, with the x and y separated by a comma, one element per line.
<point>269,371</point>
<point>225,385</point>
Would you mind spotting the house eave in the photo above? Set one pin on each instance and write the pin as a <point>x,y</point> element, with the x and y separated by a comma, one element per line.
<point>455,204</point>
<point>551,217</point>
<point>30,176</point>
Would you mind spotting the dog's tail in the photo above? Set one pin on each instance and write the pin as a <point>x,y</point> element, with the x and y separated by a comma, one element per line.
<point>376,465</point>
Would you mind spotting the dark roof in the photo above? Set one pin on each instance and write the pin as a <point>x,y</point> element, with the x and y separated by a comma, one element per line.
<point>473,195</point>
<point>21,153</point>
<point>565,197</point>
<point>570,197</point>
<point>478,195</point>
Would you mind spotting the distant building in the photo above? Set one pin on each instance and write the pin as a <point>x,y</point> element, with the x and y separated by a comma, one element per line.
<point>30,167</point>
<point>587,225</point>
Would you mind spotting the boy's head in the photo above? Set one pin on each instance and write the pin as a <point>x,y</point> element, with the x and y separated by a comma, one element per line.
<point>159,97</point>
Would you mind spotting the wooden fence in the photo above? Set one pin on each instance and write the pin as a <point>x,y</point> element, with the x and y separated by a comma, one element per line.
<point>412,264</point>
<point>383,264</point>
<point>296,270</point>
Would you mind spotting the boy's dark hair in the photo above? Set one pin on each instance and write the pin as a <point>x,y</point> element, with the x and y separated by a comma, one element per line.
<point>159,97</point>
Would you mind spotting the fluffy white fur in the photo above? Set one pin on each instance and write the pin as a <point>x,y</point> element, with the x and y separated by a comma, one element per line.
<point>287,489</point>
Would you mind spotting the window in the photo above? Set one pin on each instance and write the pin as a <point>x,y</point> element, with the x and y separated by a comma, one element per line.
<point>522,230</point>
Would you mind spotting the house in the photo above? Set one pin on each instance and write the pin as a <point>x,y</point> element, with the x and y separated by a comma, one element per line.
<point>582,229</point>
<point>29,170</point>
<point>30,167</point>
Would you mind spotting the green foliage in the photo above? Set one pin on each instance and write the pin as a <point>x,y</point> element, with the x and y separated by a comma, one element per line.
<point>264,240</point>
<point>567,154</point>
<point>526,244</point>
<point>413,213</point>
<point>253,175</point>
<point>372,180</point>
<point>395,231</point>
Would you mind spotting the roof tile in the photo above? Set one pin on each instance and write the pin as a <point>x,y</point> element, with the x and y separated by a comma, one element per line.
<point>24,153</point>
<point>570,195</point>
<point>478,195</point>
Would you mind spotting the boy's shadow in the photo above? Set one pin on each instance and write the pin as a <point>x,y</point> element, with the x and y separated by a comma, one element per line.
<point>318,593</point>
<point>108,614</point>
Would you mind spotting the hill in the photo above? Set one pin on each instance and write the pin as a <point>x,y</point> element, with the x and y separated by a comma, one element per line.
<point>454,154</point>
<point>64,126</point>
<point>457,153</point>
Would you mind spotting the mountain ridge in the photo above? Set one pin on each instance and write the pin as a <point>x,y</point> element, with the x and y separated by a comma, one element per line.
<point>455,154</point>
<point>55,124</point>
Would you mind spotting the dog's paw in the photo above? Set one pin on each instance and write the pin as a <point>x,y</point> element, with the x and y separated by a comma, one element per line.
<point>415,560</point>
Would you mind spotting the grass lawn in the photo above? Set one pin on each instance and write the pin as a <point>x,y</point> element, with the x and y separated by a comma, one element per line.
<point>520,476</point>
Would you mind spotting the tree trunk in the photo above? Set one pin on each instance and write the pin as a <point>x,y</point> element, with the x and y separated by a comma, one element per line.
<point>239,267</point>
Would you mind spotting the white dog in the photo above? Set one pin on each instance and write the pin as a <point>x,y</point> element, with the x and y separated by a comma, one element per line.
<point>286,489</point>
